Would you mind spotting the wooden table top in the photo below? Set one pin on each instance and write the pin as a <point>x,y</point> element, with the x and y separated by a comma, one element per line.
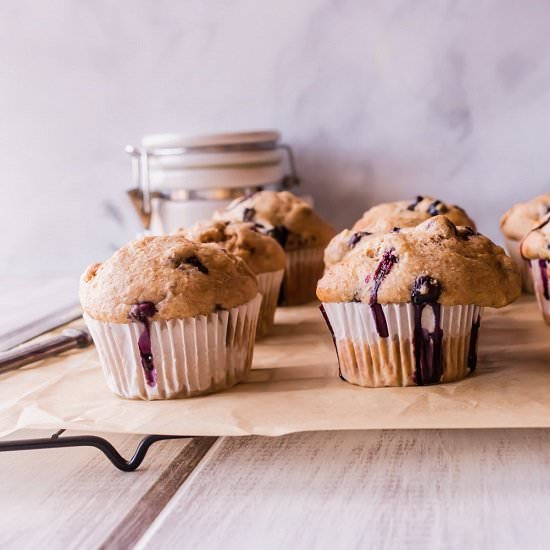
<point>369,489</point>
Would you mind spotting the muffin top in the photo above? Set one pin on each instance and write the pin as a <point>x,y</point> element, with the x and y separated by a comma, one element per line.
<point>392,216</point>
<point>524,216</point>
<point>435,261</point>
<point>283,216</point>
<point>262,254</point>
<point>386,216</point>
<point>173,276</point>
<point>536,244</point>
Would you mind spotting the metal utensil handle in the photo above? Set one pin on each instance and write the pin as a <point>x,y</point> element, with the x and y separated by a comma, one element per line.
<point>26,332</point>
<point>68,339</point>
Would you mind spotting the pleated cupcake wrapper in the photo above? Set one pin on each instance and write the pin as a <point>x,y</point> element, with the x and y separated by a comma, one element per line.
<point>513,248</point>
<point>191,356</point>
<point>303,270</point>
<point>269,285</point>
<point>543,302</point>
<point>366,359</point>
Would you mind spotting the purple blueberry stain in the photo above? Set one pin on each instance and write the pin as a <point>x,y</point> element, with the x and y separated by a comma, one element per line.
<point>543,264</point>
<point>279,233</point>
<point>282,294</point>
<point>417,201</point>
<point>356,237</point>
<point>258,227</point>
<point>436,208</point>
<point>425,289</point>
<point>249,214</point>
<point>542,224</point>
<point>465,232</point>
<point>472,347</point>
<point>193,261</point>
<point>140,313</point>
<point>428,345</point>
<point>379,320</point>
<point>331,330</point>
<point>388,260</point>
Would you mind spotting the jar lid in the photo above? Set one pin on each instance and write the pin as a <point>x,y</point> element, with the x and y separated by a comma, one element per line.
<point>233,141</point>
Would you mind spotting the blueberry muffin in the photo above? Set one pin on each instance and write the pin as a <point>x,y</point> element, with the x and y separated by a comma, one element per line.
<point>535,249</point>
<point>393,216</point>
<point>516,223</point>
<point>405,307</point>
<point>171,317</point>
<point>297,227</point>
<point>263,255</point>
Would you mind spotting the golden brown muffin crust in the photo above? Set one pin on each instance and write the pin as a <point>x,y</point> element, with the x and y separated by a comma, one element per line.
<point>535,245</point>
<point>463,266</point>
<point>342,244</point>
<point>386,216</point>
<point>271,210</point>
<point>390,216</point>
<point>180,277</point>
<point>262,253</point>
<point>524,216</point>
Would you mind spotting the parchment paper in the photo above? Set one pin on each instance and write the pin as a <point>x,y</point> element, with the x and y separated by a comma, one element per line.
<point>295,387</point>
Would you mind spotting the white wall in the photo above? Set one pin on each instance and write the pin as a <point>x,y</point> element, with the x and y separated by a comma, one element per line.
<point>381,99</point>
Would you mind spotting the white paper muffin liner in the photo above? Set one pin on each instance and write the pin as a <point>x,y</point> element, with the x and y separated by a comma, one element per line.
<point>538,281</point>
<point>367,359</point>
<point>191,356</point>
<point>269,285</point>
<point>303,270</point>
<point>513,248</point>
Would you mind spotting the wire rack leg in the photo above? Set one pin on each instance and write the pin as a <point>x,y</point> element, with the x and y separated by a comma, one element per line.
<point>56,442</point>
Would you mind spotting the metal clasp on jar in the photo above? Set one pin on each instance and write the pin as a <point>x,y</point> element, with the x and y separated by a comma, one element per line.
<point>142,195</point>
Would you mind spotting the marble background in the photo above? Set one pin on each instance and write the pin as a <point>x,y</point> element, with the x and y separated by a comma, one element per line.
<point>381,100</point>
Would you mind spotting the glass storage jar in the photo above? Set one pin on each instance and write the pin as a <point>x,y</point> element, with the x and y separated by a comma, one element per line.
<point>180,180</point>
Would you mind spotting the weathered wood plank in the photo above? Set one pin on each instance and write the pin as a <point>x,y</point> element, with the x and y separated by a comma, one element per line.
<point>139,518</point>
<point>381,489</point>
<point>75,498</point>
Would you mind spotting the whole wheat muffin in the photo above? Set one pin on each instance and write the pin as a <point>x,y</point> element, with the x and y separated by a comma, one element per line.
<point>180,277</point>
<point>263,254</point>
<point>297,227</point>
<point>524,216</point>
<point>283,216</point>
<point>469,268</point>
<point>171,317</point>
<point>516,223</point>
<point>386,216</point>
<point>536,244</point>
<point>393,216</point>
<point>404,307</point>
